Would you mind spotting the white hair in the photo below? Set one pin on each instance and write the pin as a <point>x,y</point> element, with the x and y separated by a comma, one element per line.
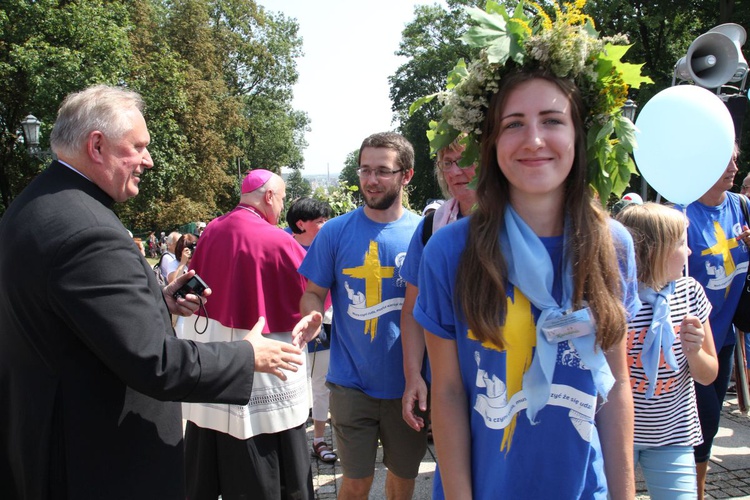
<point>99,107</point>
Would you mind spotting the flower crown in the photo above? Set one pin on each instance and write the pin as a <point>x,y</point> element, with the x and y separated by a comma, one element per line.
<point>569,47</point>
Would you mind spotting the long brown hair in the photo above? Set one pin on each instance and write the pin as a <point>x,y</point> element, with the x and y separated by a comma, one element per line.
<point>482,273</point>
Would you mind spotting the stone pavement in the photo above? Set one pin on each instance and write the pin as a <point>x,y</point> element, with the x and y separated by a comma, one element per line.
<point>728,473</point>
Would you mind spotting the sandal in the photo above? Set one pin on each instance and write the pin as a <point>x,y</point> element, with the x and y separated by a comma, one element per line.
<point>324,452</point>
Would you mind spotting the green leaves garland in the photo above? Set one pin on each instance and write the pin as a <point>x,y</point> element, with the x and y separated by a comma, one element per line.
<point>570,47</point>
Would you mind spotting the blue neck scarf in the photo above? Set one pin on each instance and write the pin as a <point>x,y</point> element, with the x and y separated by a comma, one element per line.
<point>530,270</point>
<point>660,335</point>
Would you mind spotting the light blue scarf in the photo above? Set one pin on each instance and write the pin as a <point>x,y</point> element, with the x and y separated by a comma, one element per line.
<point>530,270</point>
<point>660,335</point>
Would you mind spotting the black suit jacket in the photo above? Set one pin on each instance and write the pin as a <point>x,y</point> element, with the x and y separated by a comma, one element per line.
<point>88,357</point>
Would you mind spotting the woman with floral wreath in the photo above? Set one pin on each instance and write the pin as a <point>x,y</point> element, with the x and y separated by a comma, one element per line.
<point>525,303</point>
<point>454,179</point>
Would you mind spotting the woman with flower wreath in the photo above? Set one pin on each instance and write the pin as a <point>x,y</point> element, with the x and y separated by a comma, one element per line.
<point>524,303</point>
<point>454,179</point>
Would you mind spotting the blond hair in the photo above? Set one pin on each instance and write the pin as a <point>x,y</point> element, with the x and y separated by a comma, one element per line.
<point>656,230</point>
<point>456,147</point>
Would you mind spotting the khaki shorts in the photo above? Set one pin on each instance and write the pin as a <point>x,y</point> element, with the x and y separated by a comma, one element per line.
<point>359,421</point>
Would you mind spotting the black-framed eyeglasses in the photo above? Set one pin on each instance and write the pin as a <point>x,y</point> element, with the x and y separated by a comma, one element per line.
<point>447,164</point>
<point>380,173</point>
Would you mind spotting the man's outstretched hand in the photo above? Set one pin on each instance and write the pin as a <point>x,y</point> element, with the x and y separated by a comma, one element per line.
<point>307,329</point>
<point>273,356</point>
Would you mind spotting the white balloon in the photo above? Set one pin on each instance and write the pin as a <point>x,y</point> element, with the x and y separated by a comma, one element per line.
<point>685,138</point>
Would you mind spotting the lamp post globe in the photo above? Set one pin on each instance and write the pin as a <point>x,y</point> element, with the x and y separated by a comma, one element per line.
<point>628,110</point>
<point>31,127</point>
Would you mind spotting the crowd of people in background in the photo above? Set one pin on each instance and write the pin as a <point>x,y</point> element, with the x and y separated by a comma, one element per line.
<point>678,341</point>
<point>545,345</point>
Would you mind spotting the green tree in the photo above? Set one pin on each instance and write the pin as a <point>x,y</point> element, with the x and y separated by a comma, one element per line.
<point>49,48</point>
<point>341,198</point>
<point>188,113</point>
<point>217,76</point>
<point>297,187</point>
<point>662,33</point>
<point>431,44</point>
<point>275,137</point>
<point>261,48</point>
<point>349,175</point>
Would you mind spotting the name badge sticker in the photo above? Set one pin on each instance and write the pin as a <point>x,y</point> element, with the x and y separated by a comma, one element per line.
<point>569,326</point>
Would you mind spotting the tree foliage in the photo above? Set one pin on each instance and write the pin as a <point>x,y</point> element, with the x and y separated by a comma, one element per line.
<point>660,30</point>
<point>349,175</point>
<point>261,71</point>
<point>216,76</point>
<point>431,44</point>
<point>297,187</point>
<point>341,198</point>
<point>47,49</point>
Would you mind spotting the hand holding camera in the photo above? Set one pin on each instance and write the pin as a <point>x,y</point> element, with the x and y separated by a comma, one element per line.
<point>194,285</point>
<point>185,295</point>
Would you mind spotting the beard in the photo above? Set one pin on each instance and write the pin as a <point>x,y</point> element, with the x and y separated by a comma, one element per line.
<point>389,197</point>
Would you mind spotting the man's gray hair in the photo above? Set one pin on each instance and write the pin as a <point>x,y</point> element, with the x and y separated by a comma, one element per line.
<point>172,238</point>
<point>101,108</point>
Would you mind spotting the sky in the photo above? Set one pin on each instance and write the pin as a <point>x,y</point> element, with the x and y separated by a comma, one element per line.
<point>349,51</point>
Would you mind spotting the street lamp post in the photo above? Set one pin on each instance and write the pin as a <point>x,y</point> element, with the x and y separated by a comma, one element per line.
<point>629,109</point>
<point>31,126</point>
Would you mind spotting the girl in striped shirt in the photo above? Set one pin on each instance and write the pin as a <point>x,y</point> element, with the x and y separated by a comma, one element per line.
<point>670,345</point>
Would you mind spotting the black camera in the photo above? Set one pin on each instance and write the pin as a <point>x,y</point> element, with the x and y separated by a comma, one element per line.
<point>194,285</point>
<point>191,246</point>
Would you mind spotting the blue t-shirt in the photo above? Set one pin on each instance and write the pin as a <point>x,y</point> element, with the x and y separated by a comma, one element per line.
<point>718,261</point>
<point>410,273</point>
<point>360,261</point>
<point>410,269</point>
<point>560,456</point>
<point>316,345</point>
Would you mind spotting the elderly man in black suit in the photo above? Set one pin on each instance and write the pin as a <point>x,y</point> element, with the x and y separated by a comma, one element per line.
<point>90,369</point>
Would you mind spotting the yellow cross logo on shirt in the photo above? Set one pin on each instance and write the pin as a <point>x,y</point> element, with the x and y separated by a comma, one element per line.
<point>723,247</point>
<point>519,337</point>
<point>373,274</point>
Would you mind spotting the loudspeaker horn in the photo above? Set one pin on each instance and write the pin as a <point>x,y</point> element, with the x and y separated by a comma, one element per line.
<point>711,61</point>
<point>738,35</point>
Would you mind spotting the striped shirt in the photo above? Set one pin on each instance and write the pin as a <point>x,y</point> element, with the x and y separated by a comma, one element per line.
<point>670,417</point>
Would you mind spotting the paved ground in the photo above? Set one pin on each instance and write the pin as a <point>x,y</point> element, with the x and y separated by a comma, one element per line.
<point>728,474</point>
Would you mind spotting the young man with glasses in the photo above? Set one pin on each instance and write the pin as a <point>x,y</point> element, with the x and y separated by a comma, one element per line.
<point>358,257</point>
